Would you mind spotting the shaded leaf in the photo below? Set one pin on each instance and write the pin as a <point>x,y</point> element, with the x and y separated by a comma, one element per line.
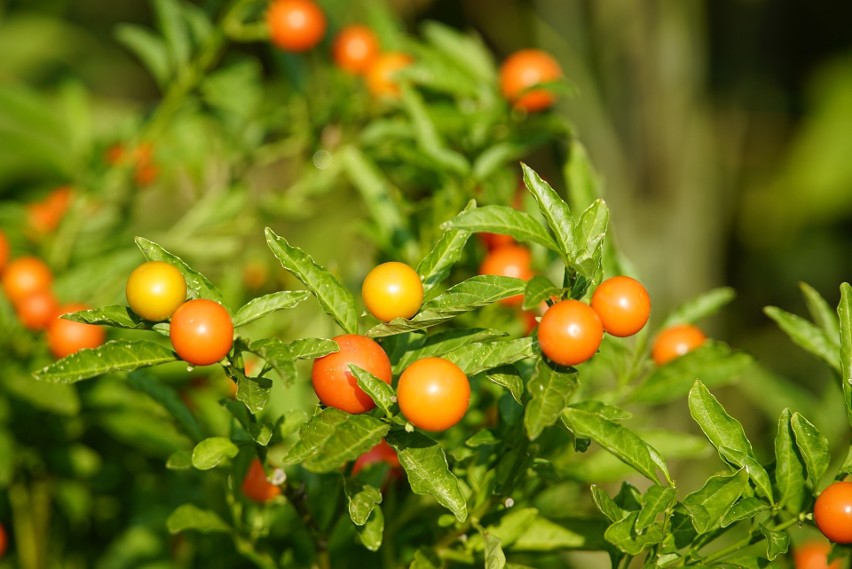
<point>806,335</point>
<point>550,389</point>
<point>189,517</point>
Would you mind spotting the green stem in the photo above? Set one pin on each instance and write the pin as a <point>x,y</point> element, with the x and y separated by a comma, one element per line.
<point>745,542</point>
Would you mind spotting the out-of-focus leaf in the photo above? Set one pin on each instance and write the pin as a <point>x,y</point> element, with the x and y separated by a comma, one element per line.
<point>822,313</point>
<point>699,307</point>
<point>189,517</point>
<point>212,451</point>
<point>806,335</point>
<point>149,48</point>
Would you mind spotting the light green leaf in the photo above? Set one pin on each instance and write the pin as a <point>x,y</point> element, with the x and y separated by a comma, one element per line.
<point>380,392</point>
<point>149,48</point>
<point>756,472</point>
<point>502,219</point>
<point>550,390</point>
<point>477,357</point>
<point>261,306</point>
<point>555,211</point>
<point>362,500</point>
<point>844,312</point>
<point>777,542</point>
<point>428,137</point>
<point>806,335</point>
<point>254,392</point>
<point>708,506</point>
<point>116,316</point>
<point>426,466</point>
<point>494,556</point>
<point>211,452</point>
<point>189,517</point>
<point>169,399</point>
<point>813,446</point>
<point>334,298</point>
<point>702,306</point>
<point>657,500</point>
<point>623,535</point>
<point>789,466</point>
<point>545,535</point>
<point>822,313</point>
<point>174,30</point>
<point>606,504</point>
<point>445,342</point>
<point>197,284</point>
<point>583,184</point>
<point>114,356</point>
<point>436,265</point>
<point>721,429</point>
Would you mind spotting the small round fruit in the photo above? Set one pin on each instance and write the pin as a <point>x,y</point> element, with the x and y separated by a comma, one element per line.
<point>355,48</point>
<point>509,261</point>
<point>155,290</point>
<point>833,512</point>
<point>433,394</point>
<point>676,341</point>
<point>570,332</point>
<point>381,80</point>
<point>201,332</point>
<point>814,555</point>
<point>66,337</point>
<point>45,216</point>
<point>256,486</point>
<point>392,290</point>
<point>36,310</point>
<point>5,251</point>
<point>335,384</point>
<point>622,304</point>
<point>295,25</point>
<point>380,453</point>
<point>24,276</point>
<point>525,69</point>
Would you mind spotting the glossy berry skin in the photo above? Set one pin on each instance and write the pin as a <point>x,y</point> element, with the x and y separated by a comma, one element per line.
<point>510,260</point>
<point>622,304</point>
<point>525,69</point>
<point>676,341</point>
<point>433,394</point>
<point>570,332</point>
<point>380,74</point>
<point>66,337</point>
<point>333,382</point>
<point>155,289</point>
<point>36,310</point>
<point>256,486</point>
<point>355,48</point>
<point>201,332</point>
<point>814,555</point>
<point>833,512</point>
<point>392,290</point>
<point>295,25</point>
<point>24,276</point>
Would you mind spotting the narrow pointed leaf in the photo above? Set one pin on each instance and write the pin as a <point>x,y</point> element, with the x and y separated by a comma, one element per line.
<point>116,316</point>
<point>334,298</point>
<point>332,438</point>
<point>756,472</point>
<point>550,390</point>
<point>583,184</point>
<point>445,342</point>
<point>427,470</point>
<point>590,230</point>
<point>380,392</point>
<point>149,48</point>
<point>844,312</point>
<point>658,500</point>
<point>721,429</point>
<point>813,446</point>
<point>623,443</point>
<point>436,265</point>
<point>700,307</point>
<point>197,284</point>
<point>477,357</point>
<point>606,504</point>
<point>708,506</point>
<point>822,313</point>
<point>260,307</point>
<point>171,23</point>
<point>789,466</point>
<point>806,335</point>
<point>503,219</point>
<point>114,356</point>
<point>555,211</point>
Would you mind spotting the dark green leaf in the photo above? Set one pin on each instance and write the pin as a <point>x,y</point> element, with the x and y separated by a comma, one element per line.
<point>426,466</point>
<point>362,499</point>
<point>721,429</point>
<point>509,377</point>
<point>745,509</point>
<point>371,533</point>
<point>606,504</point>
<point>380,392</point>
<point>114,356</point>
<point>261,306</point>
<point>334,298</point>
<point>756,472</point>
<point>189,517</point>
<point>197,284</point>
<point>789,466</point>
<point>539,289</point>
<point>813,446</point>
<point>332,438</point>
<point>445,342</point>
<point>426,559</point>
<point>550,390</point>
<point>436,265</point>
<point>254,392</point>
<point>211,452</point>
<point>624,536</point>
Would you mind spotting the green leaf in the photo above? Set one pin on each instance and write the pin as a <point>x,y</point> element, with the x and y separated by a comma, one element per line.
<point>332,438</point>
<point>211,452</point>
<point>502,219</point>
<point>590,232</point>
<point>426,559</point>
<point>822,313</point>
<point>494,556</point>
<point>380,198</point>
<point>550,389</point>
<point>380,392</point>
<point>254,392</point>
<point>189,517</point>
<point>174,30</point>
<point>844,312</point>
<point>755,470</point>
<point>466,296</point>
<point>426,466</point>
<point>371,533</point>
<point>428,137</point>
<point>334,298</point>
<point>789,466</point>
<point>445,342</point>
<point>149,48</point>
<point>708,506</point>
<point>260,307</point>
<point>777,542</point>
<point>545,535</point>
<point>116,316</point>
<point>606,504</point>
<point>468,52</point>
<point>806,335</point>
<point>555,211</point>
<point>436,265</point>
<point>813,446</point>
<point>539,289</point>
<point>702,306</point>
<point>712,362</point>
<point>180,460</point>
<point>657,500</point>
<point>721,429</point>
<point>624,536</point>
<point>513,525</point>
<point>623,443</point>
<point>169,399</point>
<point>745,509</point>
<point>197,284</point>
<point>477,357</point>
<point>114,356</point>
<point>362,499</point>
<point>509,377</point>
